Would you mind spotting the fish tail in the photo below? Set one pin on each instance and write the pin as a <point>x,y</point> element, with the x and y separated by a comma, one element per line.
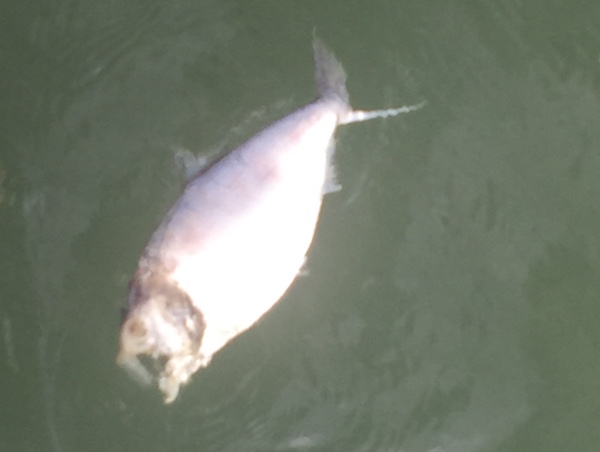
<point>330,75</point>
<point>361,115</point>
<point>331,82</point>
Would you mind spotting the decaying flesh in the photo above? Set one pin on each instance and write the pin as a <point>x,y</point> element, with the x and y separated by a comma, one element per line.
<point>236,239</point>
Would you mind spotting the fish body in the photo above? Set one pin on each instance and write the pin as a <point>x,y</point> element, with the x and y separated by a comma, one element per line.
<point>236,238</point>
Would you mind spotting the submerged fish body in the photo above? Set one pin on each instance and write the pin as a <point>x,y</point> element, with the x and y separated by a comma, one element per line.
<point>236,239</point>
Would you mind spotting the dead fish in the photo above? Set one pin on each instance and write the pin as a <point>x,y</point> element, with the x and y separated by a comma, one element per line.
<point>236,239</point>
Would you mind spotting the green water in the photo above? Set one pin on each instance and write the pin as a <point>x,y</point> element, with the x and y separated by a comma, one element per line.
<point>452,296</point>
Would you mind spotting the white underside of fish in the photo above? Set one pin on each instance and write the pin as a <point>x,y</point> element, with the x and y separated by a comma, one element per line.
<point>250,237</point>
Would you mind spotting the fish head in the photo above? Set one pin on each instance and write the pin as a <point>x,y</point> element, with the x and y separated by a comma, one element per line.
<point>162,323</point>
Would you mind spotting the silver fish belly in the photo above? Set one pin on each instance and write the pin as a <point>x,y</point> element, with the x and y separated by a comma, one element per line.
<point>236,239</point>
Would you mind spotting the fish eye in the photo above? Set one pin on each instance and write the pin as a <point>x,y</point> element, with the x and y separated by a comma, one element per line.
<point>137,328</point>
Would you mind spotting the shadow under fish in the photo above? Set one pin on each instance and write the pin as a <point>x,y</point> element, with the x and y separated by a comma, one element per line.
<point>236,238</point>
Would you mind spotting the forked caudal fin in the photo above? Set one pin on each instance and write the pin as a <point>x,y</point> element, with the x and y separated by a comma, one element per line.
<point>331,83</point>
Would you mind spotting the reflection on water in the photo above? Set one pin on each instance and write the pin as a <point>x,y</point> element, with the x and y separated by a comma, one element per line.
<point>451,294</point>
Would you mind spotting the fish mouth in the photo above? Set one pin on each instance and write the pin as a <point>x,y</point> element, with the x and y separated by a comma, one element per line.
<point>161,338</point>
<point>160,363</point>
<point>168,374</point>
<point>136,369</point>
